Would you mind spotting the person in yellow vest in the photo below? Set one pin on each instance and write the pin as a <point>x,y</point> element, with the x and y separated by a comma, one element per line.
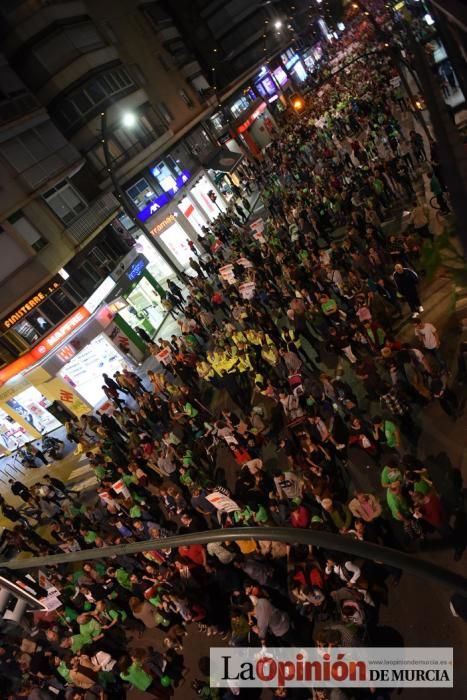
<point>204,370</point>
<point>271,357</point>
<point>238,337</point>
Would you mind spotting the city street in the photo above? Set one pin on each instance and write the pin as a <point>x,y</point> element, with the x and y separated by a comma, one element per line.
<point>244,309</point>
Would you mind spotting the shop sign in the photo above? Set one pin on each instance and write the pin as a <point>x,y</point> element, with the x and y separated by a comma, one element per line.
<point>45,346</point>
<point>60,333</point>
<point>161,200</point>
<point>34,300</point>
<point>136,270</point>
<point>165,223</point>
<point>252,118</point>
<point>100,294</point>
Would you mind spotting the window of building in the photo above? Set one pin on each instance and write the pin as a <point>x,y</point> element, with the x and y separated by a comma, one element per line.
<point>93,93</point>
<point>37,153</point>
<point>173,164</point>
<point>240,105</point>
<point>7,354</point>
<point>164,176</point>
<point>16,344</point>
<point>57,51</point>
<point>74,291</point>
<point>165,112</point>
<point>27,231</point>
<point>63,301</point>
<point>186,98</point>
<point>27,331</point>
<point>218,122</point>
<point>141,192</point>
<point>65,202</point>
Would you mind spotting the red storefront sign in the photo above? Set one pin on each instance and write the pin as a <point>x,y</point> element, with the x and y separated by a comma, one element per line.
<point>46,345</point>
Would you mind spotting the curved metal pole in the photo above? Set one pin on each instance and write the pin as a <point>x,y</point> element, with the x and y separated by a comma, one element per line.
<point>327,540</point>
<point>127,204</point>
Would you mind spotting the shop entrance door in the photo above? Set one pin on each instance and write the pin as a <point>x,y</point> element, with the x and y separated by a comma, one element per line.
<point>144,308</point>
<point>176,241</point>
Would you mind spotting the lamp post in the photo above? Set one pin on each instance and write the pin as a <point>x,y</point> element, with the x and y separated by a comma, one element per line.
<point>129,120</point>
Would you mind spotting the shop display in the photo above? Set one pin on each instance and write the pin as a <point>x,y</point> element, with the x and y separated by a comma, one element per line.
<point>12,435</point>
<point>84,371</point>
<point>31,406</point>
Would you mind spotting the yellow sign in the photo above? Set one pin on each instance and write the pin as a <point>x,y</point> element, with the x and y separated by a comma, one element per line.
<point>165,223</point>
<point>31,303</point>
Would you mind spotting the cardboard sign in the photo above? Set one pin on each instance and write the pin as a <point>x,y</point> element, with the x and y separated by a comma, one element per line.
<point>247,290</point>
<point>257,226</point>
<point>119,487</point>
<point>222,502</point>
<point>164,356</point>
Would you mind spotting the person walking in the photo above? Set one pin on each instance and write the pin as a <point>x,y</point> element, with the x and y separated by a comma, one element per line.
<point>17,488</point>
<point>427,334</point>
<point>406,281</point>
<point>438,192</point>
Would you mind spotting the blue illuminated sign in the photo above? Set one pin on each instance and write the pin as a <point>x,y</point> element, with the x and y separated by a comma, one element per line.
<point>136,270</point>
<point>161,200</point>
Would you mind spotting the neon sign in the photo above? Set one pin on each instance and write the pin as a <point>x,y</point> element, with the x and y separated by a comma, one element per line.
<point>136,270</point>
<point>161,200</point>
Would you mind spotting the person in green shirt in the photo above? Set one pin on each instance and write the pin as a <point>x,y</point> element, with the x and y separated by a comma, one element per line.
<point>135,674</point>
<point>89,628</point>
<point>386,431</point>
<point>89,536</point>
<point>122,576</point>
<point>328,305</point>
<point>397,502</point>
<point>391,474</point>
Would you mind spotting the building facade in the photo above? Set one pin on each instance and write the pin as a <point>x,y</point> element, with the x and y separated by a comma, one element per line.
<point>77,277</point>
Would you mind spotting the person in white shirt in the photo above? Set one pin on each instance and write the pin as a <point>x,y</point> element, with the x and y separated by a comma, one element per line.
<point>350,573</point>
<point>427,334</point>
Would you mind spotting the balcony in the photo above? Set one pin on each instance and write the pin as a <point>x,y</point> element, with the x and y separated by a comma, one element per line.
<point>17,107</point>
<point>94,218</point>
<point>62,161</point>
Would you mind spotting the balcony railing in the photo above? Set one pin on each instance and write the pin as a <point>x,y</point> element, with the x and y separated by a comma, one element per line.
<point>56,163</point>
<point>95,217</point>
<point>17,107</point>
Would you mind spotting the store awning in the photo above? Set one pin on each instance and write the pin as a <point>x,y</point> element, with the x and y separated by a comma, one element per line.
<point>224,160</point>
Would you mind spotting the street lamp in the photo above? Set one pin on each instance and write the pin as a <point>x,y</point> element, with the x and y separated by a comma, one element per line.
<point>129,120</point>
<point>277,24</point>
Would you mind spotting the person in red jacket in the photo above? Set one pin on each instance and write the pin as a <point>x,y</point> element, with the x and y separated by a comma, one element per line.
<point>300,516</point>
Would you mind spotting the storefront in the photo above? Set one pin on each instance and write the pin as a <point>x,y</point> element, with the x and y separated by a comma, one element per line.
<point>222,170</point>
<point>137,298</point>
<point>12,434</point>
<point>200,193</point>
<point>193,214</point>
<point>177,220</point>
<point>32,406</point>
<point>313,56</point>
<point>257,131</point>
<point>84,371</point>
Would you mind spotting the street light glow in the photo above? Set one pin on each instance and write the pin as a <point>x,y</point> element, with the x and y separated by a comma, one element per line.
<point>129,120</point>
<point>278,24</point>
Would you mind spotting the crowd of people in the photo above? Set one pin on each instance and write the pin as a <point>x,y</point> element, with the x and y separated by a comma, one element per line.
<point>286,399</point>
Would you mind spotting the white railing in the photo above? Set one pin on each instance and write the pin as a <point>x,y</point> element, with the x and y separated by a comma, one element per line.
<point>94,217</point>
